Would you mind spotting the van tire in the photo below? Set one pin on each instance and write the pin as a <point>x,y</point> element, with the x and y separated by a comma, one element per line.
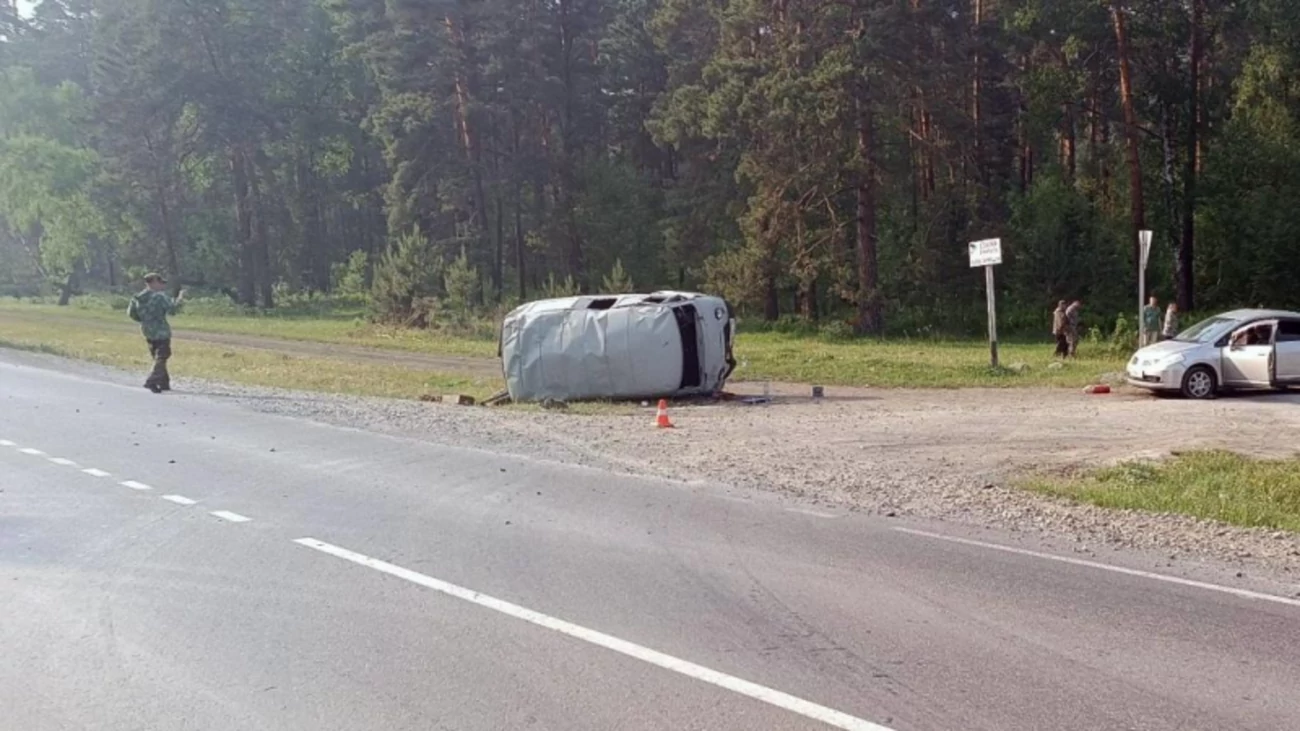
<point>1200,383</point>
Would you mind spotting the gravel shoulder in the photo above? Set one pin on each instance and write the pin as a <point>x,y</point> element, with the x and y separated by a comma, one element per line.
<point>943,455</point>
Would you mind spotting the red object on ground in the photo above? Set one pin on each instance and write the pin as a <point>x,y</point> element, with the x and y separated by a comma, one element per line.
<point>1097,390</point>
<point>661,416</point>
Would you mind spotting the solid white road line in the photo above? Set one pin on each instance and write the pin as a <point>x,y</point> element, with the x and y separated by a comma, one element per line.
<point>95,473</point>
<point>7,443</point>
<point>32,452</point>
<point>232,517</point>
<point>1243,593</point>
<point>62,461</point>
<point>179,499</point>
<point>757,692</point>
<point>136,485</point>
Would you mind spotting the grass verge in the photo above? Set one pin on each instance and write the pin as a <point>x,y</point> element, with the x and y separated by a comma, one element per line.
<point>919,363</point>
<point>235,365</point>
<point>1221,486</point>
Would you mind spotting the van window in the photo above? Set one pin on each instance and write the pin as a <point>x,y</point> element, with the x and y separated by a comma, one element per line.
<point>602,304</point>
<point>1288,331</point>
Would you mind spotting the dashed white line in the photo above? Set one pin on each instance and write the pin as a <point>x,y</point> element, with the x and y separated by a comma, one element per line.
<point>813,513</point>
<point>1243,593</point>
<point>7,443</point>
<point>136,485</point>
<point>95,473</point>
<point>32,452</point>
<point>179,499</point>
<point>229,516</point>
<point>62,461</point>
<point>799,706</point>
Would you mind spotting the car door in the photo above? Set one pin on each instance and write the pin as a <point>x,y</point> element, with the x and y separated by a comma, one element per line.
<point>1286,357</point>
<point>1250,365</point>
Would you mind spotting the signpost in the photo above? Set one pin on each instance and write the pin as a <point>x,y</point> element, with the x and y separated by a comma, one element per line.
<point>988,254</point>
<point>1144,238</point>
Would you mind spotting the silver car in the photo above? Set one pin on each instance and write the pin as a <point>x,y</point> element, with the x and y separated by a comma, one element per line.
<point>1243,349</point>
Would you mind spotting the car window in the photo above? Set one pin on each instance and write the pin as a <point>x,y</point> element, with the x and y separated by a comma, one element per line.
<point>1204,331</point>
<point>1288,331</point>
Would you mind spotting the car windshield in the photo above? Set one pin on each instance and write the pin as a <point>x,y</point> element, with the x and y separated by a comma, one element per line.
<point>1204,331</point>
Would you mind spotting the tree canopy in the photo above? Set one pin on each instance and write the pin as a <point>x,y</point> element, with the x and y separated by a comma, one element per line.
<point>806,159</point>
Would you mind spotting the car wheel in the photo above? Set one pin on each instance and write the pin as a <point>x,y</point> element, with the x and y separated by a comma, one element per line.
<point>1200,383</point>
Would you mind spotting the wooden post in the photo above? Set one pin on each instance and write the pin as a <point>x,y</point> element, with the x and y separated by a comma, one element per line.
<point>993,316</point>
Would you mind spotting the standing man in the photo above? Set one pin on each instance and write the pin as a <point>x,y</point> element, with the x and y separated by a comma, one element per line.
<point>1171,322</point>
<point>1150,323</point>
<point>1072,326</point>
<point>1059,330</point>
<point>150,308</point>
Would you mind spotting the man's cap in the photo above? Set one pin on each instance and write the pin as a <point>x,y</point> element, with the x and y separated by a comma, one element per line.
<point>152,277</point>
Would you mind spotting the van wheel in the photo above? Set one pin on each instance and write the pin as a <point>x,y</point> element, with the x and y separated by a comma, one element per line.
<point>1200,383</point>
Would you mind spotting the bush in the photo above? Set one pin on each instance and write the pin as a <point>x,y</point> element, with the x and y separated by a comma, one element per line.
<point>617,281</point>
<point>348,278</point>
<point>408,273</point>
<point>553,289</point>
<point>463,286</point>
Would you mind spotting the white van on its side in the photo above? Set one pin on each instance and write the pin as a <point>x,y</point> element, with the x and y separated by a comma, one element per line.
<point>629,346</point>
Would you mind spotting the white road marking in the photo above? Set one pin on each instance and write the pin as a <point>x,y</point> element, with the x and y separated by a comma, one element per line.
<point>32,452</point>
<point>7,443</point>
<point>179,499</point>
<point>813,513</point>
<point>95,473</point>
<point>136,485</point>
<point>232,517</point>
<point>757,692</point>
<point>62,461</point>
<point>1243,593</point>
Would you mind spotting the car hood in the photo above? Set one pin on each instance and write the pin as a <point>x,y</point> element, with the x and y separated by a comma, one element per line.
<point>1160,351</point>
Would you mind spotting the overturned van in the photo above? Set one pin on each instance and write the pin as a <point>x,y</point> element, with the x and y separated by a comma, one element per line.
<point>627,346</point>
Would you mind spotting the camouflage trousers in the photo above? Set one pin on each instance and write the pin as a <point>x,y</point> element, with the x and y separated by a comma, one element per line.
<point>160,351</point>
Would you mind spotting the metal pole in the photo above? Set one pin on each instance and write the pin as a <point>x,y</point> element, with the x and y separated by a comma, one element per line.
<point>993,316</point>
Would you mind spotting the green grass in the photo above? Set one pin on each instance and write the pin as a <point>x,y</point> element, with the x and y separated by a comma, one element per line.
<point>799,358</point>
<point>344,326</point>
<point>913,363</point>
<point>253,367</point>
<point>1219,486</point>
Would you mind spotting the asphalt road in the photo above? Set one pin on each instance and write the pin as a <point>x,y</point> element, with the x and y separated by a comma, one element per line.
<point>178,562</point>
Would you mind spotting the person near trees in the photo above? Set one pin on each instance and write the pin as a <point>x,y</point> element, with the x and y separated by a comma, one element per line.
<point>151,308</point>
<point>1151,322</point>
<point>1058,330</point>
<point>1072,327</point>
<point>1170,330</point>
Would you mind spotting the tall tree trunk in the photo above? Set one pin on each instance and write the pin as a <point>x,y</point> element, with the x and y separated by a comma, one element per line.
<point>1184,261</point>
<point>520,269</point>
<point>1137,205</point>
<point>243,227</point>
<point>870,319</point>
<point>977,92</point>
<point>260,242</point>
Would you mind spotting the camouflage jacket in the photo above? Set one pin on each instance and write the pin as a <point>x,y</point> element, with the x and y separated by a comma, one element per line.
<point>150,309</point>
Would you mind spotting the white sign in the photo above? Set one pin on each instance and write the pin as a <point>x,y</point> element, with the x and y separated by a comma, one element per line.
<point>1145,238</point>
<point>985,253</point>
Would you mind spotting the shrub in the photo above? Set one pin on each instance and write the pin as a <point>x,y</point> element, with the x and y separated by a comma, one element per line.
<point>348,278</point>
<point>408,272</point>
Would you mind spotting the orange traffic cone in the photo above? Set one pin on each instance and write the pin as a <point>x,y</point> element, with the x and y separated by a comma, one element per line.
<point>661,416</point>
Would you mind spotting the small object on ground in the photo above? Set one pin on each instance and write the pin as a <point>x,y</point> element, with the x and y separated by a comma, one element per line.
<point>460,399</point>
<point>498,399</point>
<point>819,392</point>
<point>1018,367</point>
<point>551,404</point>
<point>1056,366</point>
<point>756,401</point>
<point>1097,390</point>
<point>661,415</point>
<point>431,398</point>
